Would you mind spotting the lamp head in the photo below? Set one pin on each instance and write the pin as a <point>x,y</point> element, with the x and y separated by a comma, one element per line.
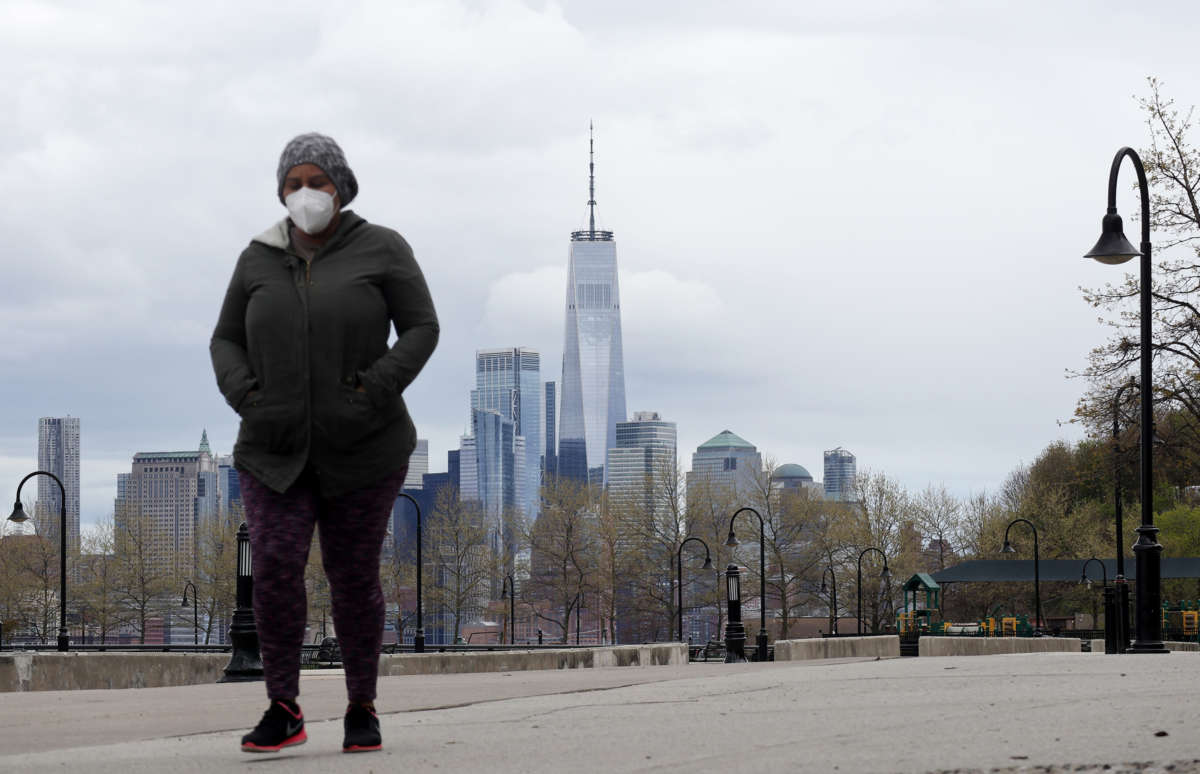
<point>824,588</point>
<point>708,565</point>
<point>18,514</point>
<point>886,574</point>
<point>732,540</point>
<point>1008,548</point>
<point>504,593</point>
<point>1112,248</point>
<point>184,603</point>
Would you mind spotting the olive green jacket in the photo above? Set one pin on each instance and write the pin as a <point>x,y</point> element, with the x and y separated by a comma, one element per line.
<point>296,339</point>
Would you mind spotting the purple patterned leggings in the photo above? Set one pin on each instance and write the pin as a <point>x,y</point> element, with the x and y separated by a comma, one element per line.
<point>352,528</point>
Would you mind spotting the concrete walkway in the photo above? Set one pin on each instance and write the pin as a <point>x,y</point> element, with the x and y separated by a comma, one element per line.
<point>982,713</point>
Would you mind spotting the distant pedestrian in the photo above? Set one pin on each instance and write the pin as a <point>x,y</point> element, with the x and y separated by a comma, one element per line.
<point>301,352</point>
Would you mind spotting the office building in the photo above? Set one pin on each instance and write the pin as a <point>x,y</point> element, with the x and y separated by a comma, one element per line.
<point>840,470</point>
<point>508,382</point>
<point>549,430</point>
<point>168,495</point>
<point>418,465</point>
<point>593,371</point>
<point>644,454</point>
<point>58,453</point>
<point>791,477</point>
<point>492,473</point>
<point>725,463</point>
<point>229,488</point>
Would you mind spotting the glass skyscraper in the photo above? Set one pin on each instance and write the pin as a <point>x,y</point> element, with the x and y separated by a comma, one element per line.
<point>593,373</point>
<point>508,382</point>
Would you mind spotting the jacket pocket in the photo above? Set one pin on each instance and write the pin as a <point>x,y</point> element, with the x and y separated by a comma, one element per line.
<point>274,427</point>
<point>352,417</point>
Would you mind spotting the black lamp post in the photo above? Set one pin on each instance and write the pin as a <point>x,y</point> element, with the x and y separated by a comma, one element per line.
<point>195,610</point>
<point>1113,248</point>
<point>735,632</point>
<point>708,565</point>
<point>245,663</point>
<point>884,576</point>
<point>19,516</point>
<point>419,634</point>
<point>832,588</point>
<point>1122,587</point>
<point>1111,627</point>
<point>511,593</point>
<point>731,541</point>
<point>1037,578</point>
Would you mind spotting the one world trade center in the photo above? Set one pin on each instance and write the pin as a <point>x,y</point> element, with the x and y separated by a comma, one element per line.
<point>593,374</point>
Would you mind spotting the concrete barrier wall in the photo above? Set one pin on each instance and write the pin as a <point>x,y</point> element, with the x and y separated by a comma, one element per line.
<point>1098,646</point>
<point>84,671</point>
<point>990,646</point>
<point>885,646</point>
<point>661,654</point>
<point>29,671</point>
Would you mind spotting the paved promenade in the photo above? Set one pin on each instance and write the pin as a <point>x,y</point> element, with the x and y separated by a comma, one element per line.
<point>986,713</point>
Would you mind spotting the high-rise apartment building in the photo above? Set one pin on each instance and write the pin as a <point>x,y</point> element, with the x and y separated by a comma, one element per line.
<point>726,463</point>
<point>593,372</point>
<point>508,382</point>
<point>168,495</point>
<point>645,452</point>
<point>418,465</point>
<point>58,453</point>
<point>840,470</point>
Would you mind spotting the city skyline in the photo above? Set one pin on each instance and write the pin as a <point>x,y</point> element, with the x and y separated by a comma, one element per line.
<point>778,253</point>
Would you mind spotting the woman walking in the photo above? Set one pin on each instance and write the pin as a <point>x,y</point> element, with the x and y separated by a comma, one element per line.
<point>300,352</point>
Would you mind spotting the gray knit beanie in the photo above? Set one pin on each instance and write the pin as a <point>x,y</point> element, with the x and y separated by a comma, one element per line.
<point>313,148</point>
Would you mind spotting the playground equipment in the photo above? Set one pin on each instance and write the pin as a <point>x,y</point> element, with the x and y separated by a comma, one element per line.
<point>919,615</point>
<point>1184,618</point>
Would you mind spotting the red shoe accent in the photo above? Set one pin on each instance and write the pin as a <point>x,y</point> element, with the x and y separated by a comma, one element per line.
<point>354,748</point>
<point>299,738</point>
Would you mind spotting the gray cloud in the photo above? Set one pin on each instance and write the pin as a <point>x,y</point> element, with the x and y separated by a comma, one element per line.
<point>854,226</point>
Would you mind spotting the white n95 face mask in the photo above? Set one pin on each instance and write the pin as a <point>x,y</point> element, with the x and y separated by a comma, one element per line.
<point>311,210</point>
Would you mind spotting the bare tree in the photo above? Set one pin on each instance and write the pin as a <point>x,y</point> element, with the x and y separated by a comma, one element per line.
<point>98,597</point>
<point>143,567</point>
<point>562,544</point>
<point>464,563</point>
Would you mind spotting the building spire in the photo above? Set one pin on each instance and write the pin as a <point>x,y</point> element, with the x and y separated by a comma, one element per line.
<point>591,182</point>
<point>204,447</point>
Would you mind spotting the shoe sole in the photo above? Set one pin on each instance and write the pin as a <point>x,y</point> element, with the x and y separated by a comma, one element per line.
<point>362,748</point>
<point>299,738</point>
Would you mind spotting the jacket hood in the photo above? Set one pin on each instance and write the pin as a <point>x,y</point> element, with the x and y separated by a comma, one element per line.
<point>278,235</point>
<point>275,236</point>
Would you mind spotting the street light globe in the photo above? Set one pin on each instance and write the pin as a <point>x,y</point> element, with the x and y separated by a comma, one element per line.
<point>1112,248</point>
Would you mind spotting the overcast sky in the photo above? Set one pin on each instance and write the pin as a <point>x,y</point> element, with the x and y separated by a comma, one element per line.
<point>855,228</point>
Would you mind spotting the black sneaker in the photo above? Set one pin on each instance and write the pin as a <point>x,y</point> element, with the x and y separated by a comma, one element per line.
<point>281,726</point>
<point>362,729</point>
